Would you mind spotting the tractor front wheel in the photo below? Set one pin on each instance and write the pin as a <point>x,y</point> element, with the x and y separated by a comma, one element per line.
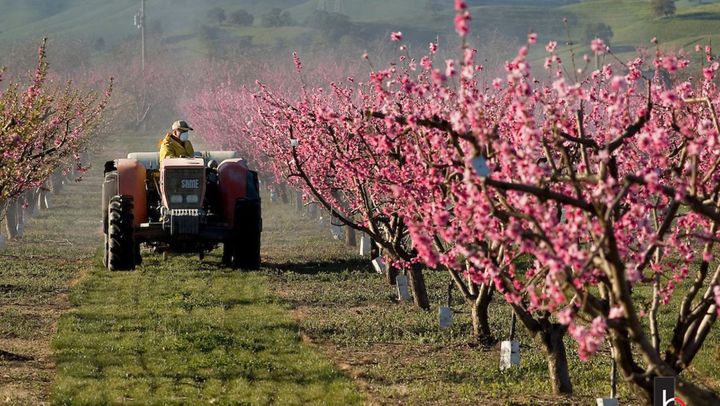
<point>243,249</point>
<point>121,247</point>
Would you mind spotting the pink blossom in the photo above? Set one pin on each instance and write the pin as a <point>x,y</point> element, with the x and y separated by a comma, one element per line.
<point>598,46</point>
<point>450,68</point>
<point>396,36</point>
<point>550,47</point>
<point>532,38</point>
<point>616,312</point>
<point>462,23</point>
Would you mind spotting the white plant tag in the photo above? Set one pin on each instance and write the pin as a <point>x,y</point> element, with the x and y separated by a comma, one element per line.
<point>364,246</point>
<point>607,402</point>
<point>509,354</point>
<point>401,281</point>
<point>20,229</point>
<point>294,143</point>
<point>379,265</point>
<point>480,166</point>
<point>446,317</point>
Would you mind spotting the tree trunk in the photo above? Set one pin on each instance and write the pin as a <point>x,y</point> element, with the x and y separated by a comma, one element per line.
<point>417,285</point>
<point>30,200</point>
<point>391,274</point>
<point>552,339</point>
<point>694,394</point>
<point>299,202</point>
<point>350,237</point>
<point>11,219</point>
<point>283,192</point>
<point>479,315</point>
<point>313,211</point>
<point>56,181</point>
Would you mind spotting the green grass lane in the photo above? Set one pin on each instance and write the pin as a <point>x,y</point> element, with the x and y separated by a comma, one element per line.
<point>182,332</point>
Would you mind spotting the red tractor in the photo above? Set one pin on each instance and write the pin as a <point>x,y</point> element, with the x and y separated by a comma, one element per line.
<point>182,205</point>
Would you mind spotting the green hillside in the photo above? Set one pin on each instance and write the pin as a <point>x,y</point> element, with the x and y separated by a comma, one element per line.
<point>184,24</point>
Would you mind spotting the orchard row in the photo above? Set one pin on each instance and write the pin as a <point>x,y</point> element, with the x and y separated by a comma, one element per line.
<point>565,190</point>
<point>44,130</point>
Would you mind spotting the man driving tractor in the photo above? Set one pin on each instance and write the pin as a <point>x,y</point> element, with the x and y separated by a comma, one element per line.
<point>176,143</point>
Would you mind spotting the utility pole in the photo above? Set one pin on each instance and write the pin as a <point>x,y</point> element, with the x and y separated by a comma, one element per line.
<point>140,24</point>
<point>142,33</point>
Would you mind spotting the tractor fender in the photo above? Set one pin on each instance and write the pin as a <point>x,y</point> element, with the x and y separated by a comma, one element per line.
<point>131,176</point>
<point>236,182</point>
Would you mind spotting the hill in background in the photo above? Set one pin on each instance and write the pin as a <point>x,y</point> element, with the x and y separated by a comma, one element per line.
<point>228,28</point>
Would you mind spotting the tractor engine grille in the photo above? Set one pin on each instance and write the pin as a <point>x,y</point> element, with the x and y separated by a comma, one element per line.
<point>184,188</point>
<point>184,222</point>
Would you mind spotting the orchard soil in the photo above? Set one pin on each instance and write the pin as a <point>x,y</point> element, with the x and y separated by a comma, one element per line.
<point>315,325</point>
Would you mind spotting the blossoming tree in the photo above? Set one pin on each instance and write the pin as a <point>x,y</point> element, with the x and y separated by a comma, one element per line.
<point>42,128</point>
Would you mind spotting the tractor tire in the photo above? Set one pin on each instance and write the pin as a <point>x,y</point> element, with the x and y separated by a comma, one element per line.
<point>138,255</point>
<point>105,251</point>
<point>227,253</point>
<point>121,251</point>
<point>245,243</point>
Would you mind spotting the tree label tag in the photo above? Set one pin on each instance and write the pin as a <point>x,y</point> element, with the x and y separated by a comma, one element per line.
<point>480,166</point>
<point>294,142</point>
<point>509,354</point>
<point>401,281</point>
<point>364,245</point>
<point>379,265</point>
<point>446,317</point>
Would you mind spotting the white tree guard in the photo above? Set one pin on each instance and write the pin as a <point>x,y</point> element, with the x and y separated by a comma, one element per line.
<point>446,317</point>
<point>379,265</point>
<point>509,354</point>
<point>401,282</point>
<point>364,246</point>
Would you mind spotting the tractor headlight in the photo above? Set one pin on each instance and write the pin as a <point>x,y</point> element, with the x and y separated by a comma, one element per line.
<point>192,199</point>
<point>176,199</point>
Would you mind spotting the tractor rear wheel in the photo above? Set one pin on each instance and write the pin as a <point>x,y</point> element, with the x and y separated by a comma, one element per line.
<point>105,251</point>
<point>244,247</point>
<point>121,247</point>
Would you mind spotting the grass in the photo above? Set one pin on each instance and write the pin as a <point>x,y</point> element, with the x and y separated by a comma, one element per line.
<point>186,332</point>
<point>180,332</point>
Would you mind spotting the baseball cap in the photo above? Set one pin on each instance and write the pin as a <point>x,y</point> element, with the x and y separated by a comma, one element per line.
<point>181,125</point>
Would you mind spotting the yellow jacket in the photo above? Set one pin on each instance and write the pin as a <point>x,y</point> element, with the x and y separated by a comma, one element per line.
<point>172,147</point>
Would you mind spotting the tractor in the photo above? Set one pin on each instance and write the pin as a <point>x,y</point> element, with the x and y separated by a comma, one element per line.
<point>182,205</point>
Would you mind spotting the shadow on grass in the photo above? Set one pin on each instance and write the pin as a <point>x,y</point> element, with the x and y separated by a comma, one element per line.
<point>623,48</point>
<point>700,15</point>
<point>9,356</point>
<point>318,267</point>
